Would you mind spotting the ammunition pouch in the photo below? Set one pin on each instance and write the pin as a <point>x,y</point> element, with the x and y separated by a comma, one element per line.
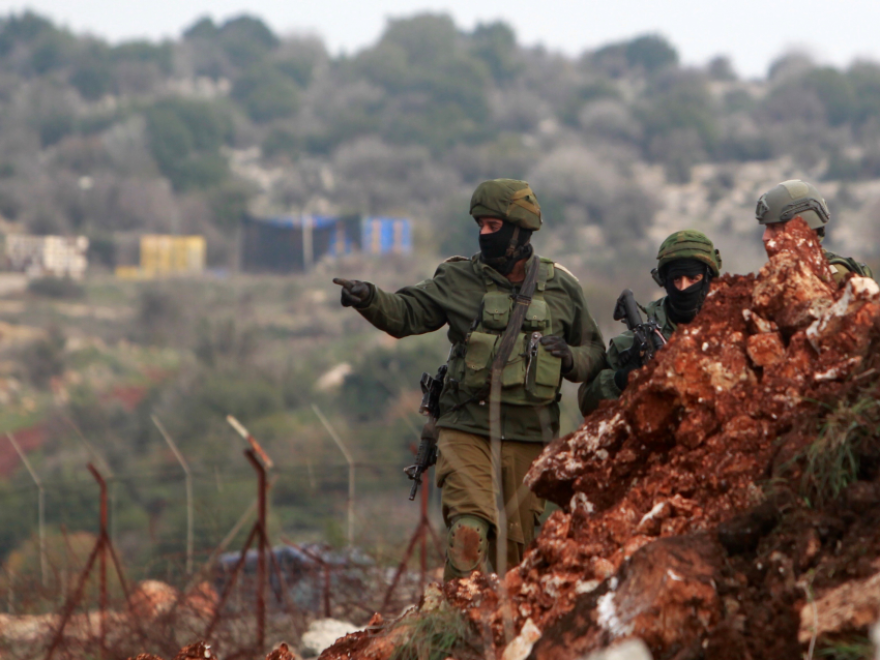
<point>532,375</point>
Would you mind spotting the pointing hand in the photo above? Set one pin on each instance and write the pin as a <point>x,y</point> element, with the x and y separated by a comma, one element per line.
<point>354,292</point>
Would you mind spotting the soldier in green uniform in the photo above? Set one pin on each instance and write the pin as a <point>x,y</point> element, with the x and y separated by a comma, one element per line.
<point>796,198</point>
<point>687,262</point>
<point>558,339</point>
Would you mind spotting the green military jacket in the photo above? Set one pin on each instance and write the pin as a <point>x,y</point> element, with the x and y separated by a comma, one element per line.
<point>603,385</point>
<point>453,297</point>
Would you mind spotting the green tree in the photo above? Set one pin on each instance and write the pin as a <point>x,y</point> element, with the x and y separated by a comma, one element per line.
<point>185,139</point>
<point>203,28</point>
<point>266,93</point>
<point>865,80</point>
<point>495,44</point>
<point>229,202</point>
<point>281,142</point>
<point>836,93</point>
<point>426,39</point>
<point>651,53</point>
<point>571,106</point>
<point>24,28</point>
<point>51,50</point>
<point>679,101</point>
<point>437,92</point>
<point>162,54</point>
<point>246,40</point>
<point>92,73</point>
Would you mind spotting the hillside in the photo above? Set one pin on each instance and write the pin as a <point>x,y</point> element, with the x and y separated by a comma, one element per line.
<point>621,144</point>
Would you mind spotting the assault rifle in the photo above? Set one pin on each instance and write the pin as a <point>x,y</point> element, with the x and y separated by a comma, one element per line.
<point>647,335</point>
<point>426,456</point>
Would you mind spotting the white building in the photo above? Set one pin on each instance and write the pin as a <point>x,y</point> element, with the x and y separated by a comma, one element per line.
<point>41,256</point>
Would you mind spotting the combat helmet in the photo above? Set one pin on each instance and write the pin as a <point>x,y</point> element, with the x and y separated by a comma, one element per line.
<point>686,244</point>
<point>790,199</point>
<point>508,199</point>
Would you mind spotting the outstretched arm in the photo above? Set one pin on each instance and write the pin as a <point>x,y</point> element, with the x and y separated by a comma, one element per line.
<point>412,310</point>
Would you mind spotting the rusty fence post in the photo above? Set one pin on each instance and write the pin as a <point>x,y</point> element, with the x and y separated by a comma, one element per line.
<point>102,558</point>
<point>262,542</point>
<point>259,534</point>
<point>99,553</point>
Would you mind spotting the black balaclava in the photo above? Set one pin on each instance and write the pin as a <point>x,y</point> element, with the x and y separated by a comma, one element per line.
<point>684,305</point>
<point>503,248</point>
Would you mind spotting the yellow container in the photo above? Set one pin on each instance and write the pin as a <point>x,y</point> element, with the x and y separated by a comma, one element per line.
<point>172,255</point>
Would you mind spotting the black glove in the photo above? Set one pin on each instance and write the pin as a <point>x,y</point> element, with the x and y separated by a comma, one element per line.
<point>354,292</point>
<point>621,376</point>
<point>557,347</point>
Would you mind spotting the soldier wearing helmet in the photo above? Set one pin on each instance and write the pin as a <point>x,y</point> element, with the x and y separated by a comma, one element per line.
<point>796,198</point>
<point>687,262</point>
<point>476,298</point>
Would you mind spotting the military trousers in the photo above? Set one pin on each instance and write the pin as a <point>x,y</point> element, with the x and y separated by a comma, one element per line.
<point>468,486</point>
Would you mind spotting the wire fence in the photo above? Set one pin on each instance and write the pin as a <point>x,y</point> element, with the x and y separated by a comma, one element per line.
<point>63,594</point>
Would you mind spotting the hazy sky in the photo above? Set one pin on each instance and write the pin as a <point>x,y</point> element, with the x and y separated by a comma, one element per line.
<point>751,32</point>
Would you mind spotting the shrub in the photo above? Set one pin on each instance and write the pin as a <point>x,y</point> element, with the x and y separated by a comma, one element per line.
<point>185,139</point>
<point>58,288</point>
<point>266,93</point>
<point>44,358</point>
<point>437,635</point>
<point>833,460</point>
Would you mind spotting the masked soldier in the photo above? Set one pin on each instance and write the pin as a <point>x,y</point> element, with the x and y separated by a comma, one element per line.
<point>686,264</point>
<point>796,198</point>
<point>476,298</point>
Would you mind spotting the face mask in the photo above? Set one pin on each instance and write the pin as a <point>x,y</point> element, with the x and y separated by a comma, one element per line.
<point>493,248</point>
<point>684,305</point>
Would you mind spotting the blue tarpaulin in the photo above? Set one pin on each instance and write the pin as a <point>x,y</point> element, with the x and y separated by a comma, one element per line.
<point>286,244</point>
<point>382,235</point>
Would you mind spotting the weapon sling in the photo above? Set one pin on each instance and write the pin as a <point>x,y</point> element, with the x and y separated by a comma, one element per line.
<point>521,305</point>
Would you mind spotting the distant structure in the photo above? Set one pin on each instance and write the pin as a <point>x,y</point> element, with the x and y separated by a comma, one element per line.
<point>164,255</point>
<point>292,244</point>
<point>48,256</point>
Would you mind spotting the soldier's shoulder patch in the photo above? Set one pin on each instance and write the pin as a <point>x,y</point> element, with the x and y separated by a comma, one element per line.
<point>455,259</point>
<point>566,271</point>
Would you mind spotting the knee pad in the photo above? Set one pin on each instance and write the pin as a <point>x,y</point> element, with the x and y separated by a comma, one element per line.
<point>467,545</point>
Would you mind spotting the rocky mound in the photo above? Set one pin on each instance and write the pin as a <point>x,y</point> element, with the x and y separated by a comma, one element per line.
<point>724,422</point>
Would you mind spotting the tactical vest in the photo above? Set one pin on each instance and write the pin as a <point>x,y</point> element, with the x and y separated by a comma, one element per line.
<point>849,264</point>
<point>531,376</point>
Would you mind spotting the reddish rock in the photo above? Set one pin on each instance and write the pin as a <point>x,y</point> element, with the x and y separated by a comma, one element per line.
<point>665,595</point>
<point>197,651</point>
<point>796,282</point>
<point>152,598</point>
<point>201,600</point>
<point>283,652</point>
<point>765,349</point>
<point>850,608</point>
